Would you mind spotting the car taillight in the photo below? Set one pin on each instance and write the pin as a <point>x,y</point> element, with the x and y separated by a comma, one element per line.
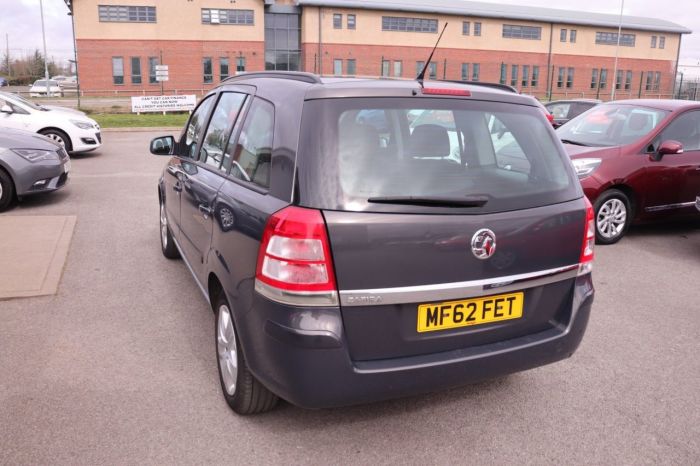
<point>294,262</point>
<point>550,117</point>
<point>586,262</point>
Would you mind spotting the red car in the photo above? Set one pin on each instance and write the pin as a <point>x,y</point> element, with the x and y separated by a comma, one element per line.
<point>637,160</point>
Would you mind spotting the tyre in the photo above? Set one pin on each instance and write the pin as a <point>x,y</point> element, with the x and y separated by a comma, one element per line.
<point>58,136</point>
<point>7,190</point>
<point>613,215</point>
<point>167,244</point>
<point>242,391</point>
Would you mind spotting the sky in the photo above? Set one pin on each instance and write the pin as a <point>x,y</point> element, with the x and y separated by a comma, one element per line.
<point>21,21</point>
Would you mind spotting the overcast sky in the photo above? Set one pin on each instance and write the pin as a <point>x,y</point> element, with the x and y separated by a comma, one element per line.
<point>20,19</point>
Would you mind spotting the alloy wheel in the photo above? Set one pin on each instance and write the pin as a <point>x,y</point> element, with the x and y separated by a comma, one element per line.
<point>611,218</point>
<point>226,348</point>
<point>163,226</point>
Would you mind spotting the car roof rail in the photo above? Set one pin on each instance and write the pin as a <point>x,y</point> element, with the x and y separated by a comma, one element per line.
<point>503,87</point>
<point>291,75</point>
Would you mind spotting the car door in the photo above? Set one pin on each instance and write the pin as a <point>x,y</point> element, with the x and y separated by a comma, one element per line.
<point>201,179</point>
<point>175,170</point>
<point>673,183</point>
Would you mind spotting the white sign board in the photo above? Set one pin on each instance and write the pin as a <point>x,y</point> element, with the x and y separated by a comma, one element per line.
<point>163,103</point>
<point>161,67</point>
<point>162,78</point>
<point>162,73</point>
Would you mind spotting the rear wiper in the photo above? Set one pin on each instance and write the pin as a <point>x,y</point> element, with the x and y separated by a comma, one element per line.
<point>466,201</point>
<point>575,143</point>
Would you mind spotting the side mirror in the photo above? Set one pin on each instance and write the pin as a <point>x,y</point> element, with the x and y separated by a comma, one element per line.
<point>163,145</point>
<point>667,148</point>
<point>6,109</point>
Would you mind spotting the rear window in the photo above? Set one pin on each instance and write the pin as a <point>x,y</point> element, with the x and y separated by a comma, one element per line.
<point>355,150</point>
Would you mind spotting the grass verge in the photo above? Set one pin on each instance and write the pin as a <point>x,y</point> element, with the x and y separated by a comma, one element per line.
<point>145,120</point>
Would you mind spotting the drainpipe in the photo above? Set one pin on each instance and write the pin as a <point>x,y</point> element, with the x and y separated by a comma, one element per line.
<point>675,71</point>
<point>320,42</point>
<point>549,62</point>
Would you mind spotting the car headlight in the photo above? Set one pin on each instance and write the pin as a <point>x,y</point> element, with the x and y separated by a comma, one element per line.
<point>82,124</point>
<point>585,167</point>
<point>36,155</point>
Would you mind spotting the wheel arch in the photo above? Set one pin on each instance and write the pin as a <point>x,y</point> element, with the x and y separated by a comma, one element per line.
<point>6,169</point>
<point>631,196</point>
<point>56,128</point>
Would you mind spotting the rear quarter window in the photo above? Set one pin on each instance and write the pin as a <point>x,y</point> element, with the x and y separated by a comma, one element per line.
<point>353,150</point>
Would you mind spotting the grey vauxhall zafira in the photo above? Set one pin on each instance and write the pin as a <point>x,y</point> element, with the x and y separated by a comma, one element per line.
<point>29,164</point>
<point>364,239</point>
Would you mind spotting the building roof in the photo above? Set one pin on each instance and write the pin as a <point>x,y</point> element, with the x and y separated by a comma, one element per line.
<point>512,12</point>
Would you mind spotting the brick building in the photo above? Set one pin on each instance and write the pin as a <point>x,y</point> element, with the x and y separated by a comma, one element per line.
<point>540,51</point>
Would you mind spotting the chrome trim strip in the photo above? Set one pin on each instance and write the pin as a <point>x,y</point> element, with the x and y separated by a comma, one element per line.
<point>679,205</point>
<point>297,298</point>
<point>448,291</point>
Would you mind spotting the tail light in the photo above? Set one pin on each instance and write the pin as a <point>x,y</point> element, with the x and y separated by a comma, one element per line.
<point>295,265</point>
<point>550,117</point>
<point>586,262</point>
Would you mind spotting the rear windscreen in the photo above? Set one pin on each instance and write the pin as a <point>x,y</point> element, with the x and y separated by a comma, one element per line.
<point>354,151</point>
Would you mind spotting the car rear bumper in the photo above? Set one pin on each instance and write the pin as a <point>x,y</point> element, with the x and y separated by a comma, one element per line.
<point>301,355</point>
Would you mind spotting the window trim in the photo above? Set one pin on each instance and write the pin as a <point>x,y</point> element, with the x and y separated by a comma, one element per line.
<point>238,11</point>
<point>127,7</point>
<point>114,76</point>
<point>337,21</point>
<point>466,28</point>
<point>563,34</point>
<point>610,38</point>
<point>508,31</point>
<point>140,75</point>
<point>204,75</point>
<point>351,25</point>
<point>477,29</point>
<point>413,20</point>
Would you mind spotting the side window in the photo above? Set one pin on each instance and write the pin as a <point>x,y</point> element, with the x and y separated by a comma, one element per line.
<point>194,127</point>
<point>253,151</point>
<point>509,154</point>
<point>559,111</point>
<point>684,129</point>
<point>214,143</point>
<point>638,123</point>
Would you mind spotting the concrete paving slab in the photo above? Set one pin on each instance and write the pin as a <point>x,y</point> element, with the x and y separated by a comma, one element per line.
<point>33,252</point>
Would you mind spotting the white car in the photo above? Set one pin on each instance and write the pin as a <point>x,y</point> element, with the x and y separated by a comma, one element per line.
<point>38,89</point>
<point>70,128</point>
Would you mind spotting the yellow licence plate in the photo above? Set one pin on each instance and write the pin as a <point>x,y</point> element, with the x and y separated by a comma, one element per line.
<point>455,314</point>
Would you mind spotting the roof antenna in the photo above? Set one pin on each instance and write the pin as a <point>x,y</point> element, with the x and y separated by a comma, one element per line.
<point>421,75</point>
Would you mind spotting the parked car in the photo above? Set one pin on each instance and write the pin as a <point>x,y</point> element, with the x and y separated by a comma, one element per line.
<point>71,129</point>
<point>351,259</point>
<point>29,164</point>
<point>4,82</point>
<point>638,161</point>
<point>41,89</point>
<point>564,110</point>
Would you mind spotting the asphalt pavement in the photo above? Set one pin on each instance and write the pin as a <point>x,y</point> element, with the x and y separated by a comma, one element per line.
<point>119,366</point>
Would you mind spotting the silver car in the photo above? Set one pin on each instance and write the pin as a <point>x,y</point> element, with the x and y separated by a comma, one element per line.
<point>29,164</point>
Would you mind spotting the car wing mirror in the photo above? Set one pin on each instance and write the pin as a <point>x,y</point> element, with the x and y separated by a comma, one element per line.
<point>6,109</point>
<point>164,145</point>
<point>667,148</point>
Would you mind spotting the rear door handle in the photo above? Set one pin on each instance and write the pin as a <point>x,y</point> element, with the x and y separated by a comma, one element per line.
<point>205,210</point>
<point>177,188</point>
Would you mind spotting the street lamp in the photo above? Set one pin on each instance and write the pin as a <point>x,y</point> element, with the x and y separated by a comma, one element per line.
<point>617,50</point>
<point>46,57</point>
